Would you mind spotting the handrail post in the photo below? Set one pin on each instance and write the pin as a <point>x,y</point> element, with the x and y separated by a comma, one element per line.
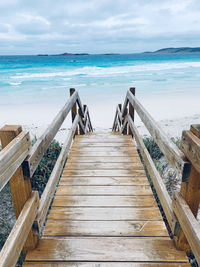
<point>74,109</point>
<point>191,187</point>
<point>120,108</point>
<point>125,128</point>
<point>20,186</point>
<point>131,110</point>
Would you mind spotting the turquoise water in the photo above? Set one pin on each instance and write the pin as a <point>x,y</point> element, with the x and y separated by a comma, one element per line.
<point>102,80</point>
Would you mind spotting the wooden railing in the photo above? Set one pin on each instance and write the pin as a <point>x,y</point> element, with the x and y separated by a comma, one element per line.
<point>18,162</point>
<point>181,211</point>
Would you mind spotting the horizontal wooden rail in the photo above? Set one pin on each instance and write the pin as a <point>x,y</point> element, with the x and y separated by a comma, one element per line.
<point>50,188</point>
<point>160,188</point>
<point>12,156</point>
<point>175,157</point>
<point>44,141</point>
<point>188,222</point>
<point>190,145</point>
<point>17,237</point>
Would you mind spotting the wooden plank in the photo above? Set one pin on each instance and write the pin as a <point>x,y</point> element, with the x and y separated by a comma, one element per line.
<point>103,166</point>
<point>104,149</point>
<point>134,190</point>
<point>105,214</point>
<point>17,237</point>
<point>101,144</point>
<point>190,145</point>
<point>170,150</point>
<point>104,201</point>
<point>108,153</point>
<point>189,224</point>
<point>133,159</point>
<point>50,187</point>
<point>104,172</point>
<point>12,156</point>
<point>103,140</point>
<point>105,228</point>
<point>37,151</point>
<point>76,180</point>
<point>104,264</point>
<point>107,249</point>
<point>155,176</point>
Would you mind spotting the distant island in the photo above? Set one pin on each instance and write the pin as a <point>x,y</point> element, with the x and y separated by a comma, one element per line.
<point>177,50</point>
<point>172,50</point>
<point>65,54</point>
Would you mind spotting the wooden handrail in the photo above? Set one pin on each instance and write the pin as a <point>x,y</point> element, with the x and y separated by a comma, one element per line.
<point>16,147</point>
<point>185,161</point>
<point>50,187</point>
<point>174,155</point>
<point>188,222</point>
<point>17,237</point>
<point>158,183</point>
<point>12,156</point>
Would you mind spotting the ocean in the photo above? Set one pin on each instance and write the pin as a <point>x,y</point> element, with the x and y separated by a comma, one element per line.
<point>33,88</point>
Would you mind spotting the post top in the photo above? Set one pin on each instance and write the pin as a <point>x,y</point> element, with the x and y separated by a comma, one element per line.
<point>195,129</point>
<point>11,128</point>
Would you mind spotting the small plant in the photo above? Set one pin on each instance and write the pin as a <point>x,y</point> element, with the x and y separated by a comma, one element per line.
<point>153,148</point>
<point>44,169</point>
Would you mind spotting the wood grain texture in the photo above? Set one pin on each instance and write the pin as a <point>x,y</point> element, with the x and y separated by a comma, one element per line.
<point>12,156</point>
<point>17,237</point>
<point>104,166</point>
<point>137,190</point>
<point>104,201</point>
<point>105,228</point>
<point>105,264</point>
<point>113,172</point>
<point>107,249</point>
<point>102,213</point>
<point>134,159</point>
<point>188,222</point>
<point>76,180</point>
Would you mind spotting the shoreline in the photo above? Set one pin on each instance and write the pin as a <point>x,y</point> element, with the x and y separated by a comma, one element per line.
<point>172,127</point>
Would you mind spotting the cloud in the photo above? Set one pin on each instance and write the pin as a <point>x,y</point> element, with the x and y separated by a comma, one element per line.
<point>124,26</point>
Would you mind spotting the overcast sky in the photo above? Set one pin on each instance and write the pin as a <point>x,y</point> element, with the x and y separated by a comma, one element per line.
<point>97,26</point>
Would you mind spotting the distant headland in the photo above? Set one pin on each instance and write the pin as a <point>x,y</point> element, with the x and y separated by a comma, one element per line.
<point>177,50</point>
<point>172,50</point>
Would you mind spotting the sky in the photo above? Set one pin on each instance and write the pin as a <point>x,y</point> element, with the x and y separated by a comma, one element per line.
<point>97,26</point>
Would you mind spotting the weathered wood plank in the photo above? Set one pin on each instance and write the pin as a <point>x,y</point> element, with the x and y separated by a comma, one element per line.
<point>104,201</point>
<point>105,264</point>
<point>103,166</point>
<point>107,249</point>
<point>37,151</point>
<point>133,159</point>
<point>101,144</point>
<point>189,224</point>
<point>105,228</point>
<point>17,237</point>
<point>190,145</point>
<point>155,176</point>
<point>105,213</point>
<point>55,175</point>
<point>104,149</point>
<point>195,129</point>
<point>12,156</point>
<point>170,150</point>
<point>104,153</point>
<point>118,173</point>
<point>76,180</point>
<point>136,190</point>
<point>19,186</point>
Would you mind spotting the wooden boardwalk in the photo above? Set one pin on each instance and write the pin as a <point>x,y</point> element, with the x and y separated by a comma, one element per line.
<point>104,213</point>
